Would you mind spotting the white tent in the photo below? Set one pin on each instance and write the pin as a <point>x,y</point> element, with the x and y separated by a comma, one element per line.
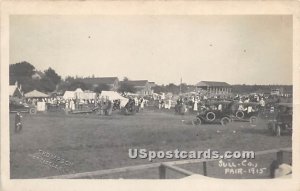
<point>35,94</point>
<point>12,90</point>
<point>111,95</point>
<point>69,95</point>
<point>78,90</point>
<point>15,91</point>
<point>79,94</point>
<point>89,95</point>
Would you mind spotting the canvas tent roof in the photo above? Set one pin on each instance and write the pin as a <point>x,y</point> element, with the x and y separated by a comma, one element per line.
<point>12,89</point>
<point>114,96</point>
<point>69,95</point>
<point>36,94</point>
<point>79,90</point>
<point>79,94</point>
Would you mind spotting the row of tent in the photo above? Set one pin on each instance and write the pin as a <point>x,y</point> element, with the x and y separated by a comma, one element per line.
<point>79,94</point>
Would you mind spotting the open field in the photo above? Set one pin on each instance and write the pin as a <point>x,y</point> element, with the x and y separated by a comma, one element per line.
<point>92,142</point>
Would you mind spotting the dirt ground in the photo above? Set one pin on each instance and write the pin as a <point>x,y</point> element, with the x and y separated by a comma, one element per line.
<point>81,143</point>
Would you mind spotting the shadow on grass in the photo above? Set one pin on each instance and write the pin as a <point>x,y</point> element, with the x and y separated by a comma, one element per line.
<point>254,130</point>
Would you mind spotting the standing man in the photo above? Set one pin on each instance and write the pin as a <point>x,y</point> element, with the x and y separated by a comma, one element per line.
<point>18,122</point>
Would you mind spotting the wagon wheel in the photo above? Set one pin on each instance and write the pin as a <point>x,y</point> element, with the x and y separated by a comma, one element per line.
<point>225,121</point>
<point>197,121</point>
<point>210,116</point>
<point>182,109</point>
<point>32,111</point>
<point>270,125</point>
<point>240,114</point>
<point>125,111</point>
<point>253,121</point>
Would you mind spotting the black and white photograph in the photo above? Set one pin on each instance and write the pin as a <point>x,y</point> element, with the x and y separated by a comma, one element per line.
<point>150,96</point>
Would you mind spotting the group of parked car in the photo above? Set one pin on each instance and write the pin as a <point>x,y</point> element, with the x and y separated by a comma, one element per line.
<point>279,116</point>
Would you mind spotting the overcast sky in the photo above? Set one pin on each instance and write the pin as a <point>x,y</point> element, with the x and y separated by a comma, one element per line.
<point>163,49</point>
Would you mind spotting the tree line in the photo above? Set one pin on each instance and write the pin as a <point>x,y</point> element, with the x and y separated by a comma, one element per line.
<point>49,81</point>
<point>23,73</point>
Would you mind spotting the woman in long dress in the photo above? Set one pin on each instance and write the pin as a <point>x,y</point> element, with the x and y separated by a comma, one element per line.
<point>196,105</point>
<point>72,105</point>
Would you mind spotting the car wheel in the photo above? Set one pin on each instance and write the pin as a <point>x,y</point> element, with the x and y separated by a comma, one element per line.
<point>210,116</point>
<point>225,121</point>
<point>197,121</point>
<point>240,114</point>
<point>32,111</point>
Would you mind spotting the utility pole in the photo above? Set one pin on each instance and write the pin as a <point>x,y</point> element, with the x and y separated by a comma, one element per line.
<point>180,86</point>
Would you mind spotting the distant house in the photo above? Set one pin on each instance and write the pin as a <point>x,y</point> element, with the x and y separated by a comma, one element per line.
<point>152,84</point>
<point>15,90</point>
<point>214,87</point>
<point>111,82</point>
<point>277,91</point>
<point>143,87</point>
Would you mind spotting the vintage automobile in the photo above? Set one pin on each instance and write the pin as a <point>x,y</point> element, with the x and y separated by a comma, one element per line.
<point>17,105</point>
<point>246,112</point>
<point>214,112</point>
<point>282,120</point>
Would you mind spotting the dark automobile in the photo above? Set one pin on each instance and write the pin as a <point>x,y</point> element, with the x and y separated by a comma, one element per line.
<point>214,112</point>
<point>282,120</point>
<point>19,106</point>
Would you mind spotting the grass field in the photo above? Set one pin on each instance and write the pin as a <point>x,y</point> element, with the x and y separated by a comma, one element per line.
<point>91,142</point>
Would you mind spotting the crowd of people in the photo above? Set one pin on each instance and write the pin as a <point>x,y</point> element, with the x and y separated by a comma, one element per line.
<point>103,105</point>
<point>197,102</point>
<point>180,103</point>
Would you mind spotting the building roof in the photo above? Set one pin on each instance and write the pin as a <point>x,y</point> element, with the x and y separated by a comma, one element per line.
<point>212,83</point>
<point>103,80</point>
<point>136,82</point>
<point>152,84</point>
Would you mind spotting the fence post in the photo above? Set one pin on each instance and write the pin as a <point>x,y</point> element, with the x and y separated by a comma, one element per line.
<point>279,157</point>
<point>162,172</point>
<point>204,168</point>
